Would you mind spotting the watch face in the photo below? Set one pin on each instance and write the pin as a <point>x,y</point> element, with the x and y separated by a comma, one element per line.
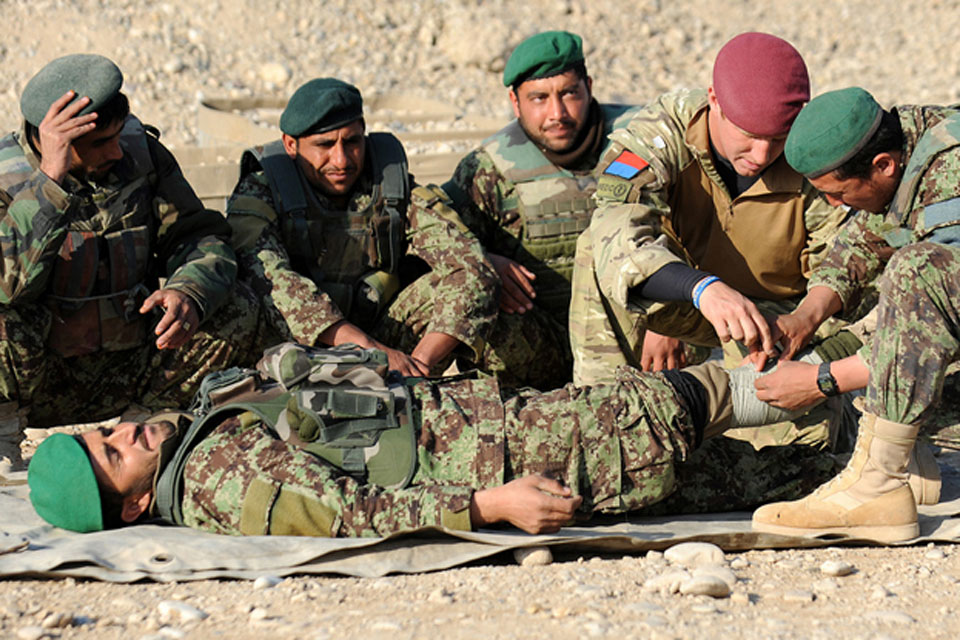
<point>825,380</point>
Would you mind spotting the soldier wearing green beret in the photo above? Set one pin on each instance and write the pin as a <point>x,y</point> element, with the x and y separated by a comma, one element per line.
<point>901,168</point>
<point>471,454</point>
<point>344,247</point>
<point>94,213</point>
<point>526,193</point>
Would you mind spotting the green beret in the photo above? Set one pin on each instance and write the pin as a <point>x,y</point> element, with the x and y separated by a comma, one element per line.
<point>543,55</point>
<point>89,75</point>
<point>323,104</point>
<point>63,488</point>
<point>831,129</point>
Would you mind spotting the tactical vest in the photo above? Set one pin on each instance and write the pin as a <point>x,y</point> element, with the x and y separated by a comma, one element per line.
<point>934,221</point>
<point>102,272</point>
<point>554,204</point>
<point>353,256</point>
<point>336,403</point>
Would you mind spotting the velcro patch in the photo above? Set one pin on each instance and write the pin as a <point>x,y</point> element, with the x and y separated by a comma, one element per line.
<point>626,165</point>
<point>613,189</point>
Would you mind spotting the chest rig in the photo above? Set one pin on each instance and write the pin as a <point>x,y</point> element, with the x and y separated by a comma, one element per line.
<point>353,256</point>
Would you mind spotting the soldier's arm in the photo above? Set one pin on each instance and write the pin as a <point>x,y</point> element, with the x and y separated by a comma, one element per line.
<point>465,305</point>
<point>192,242</point>
<point>476,194</point>
<point>307,310</point>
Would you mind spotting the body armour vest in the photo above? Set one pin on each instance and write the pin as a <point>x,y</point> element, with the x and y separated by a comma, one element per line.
<point>353,256</point>
<point>554,204</point>
<point>102,272</point>
<point>937,222</point>
<point>338,403</point>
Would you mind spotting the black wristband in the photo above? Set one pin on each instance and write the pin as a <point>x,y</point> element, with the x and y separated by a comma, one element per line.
<point>826,382</point>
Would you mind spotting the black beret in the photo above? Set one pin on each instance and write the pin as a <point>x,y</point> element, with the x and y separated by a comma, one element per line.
<point>323,104</point>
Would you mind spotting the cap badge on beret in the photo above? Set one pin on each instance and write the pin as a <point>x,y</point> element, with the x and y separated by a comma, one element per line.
<point>831,129</point>
<point>320,105</point>
<point>87,74</point>
<point>543,55</point>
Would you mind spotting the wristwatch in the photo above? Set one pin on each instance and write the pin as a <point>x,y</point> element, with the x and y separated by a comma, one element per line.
<point>826,382</point>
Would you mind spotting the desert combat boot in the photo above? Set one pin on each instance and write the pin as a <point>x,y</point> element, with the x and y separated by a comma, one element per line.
<point>870,498</point>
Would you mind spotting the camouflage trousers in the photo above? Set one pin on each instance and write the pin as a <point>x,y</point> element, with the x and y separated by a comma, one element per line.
<point>623,446</point>
<point>918,332</point>
<point>55,390</point>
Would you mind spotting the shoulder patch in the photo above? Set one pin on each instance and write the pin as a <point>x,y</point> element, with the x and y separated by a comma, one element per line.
<point>626,165</point>
<point>613,189</point>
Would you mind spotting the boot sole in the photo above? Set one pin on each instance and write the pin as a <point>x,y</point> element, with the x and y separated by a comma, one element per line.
<point>880,533</point>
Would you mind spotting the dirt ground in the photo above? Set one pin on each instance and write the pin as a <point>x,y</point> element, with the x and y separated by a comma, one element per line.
<point>176,53</point>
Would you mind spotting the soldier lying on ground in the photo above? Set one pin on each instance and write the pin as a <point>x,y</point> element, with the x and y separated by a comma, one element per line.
<point>455,453</point>
<point>527,193</point>
<point>333,233</point>
<point>901,168</point>
<point>94,212</point>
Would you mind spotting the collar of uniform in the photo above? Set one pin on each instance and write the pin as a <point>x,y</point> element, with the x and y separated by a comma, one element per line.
<point>777,178</point>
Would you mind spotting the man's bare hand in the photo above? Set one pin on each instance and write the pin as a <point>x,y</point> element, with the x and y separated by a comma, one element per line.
<point>793,385</point>
<point>58,129</point>
<point>518,293</point>
<point>406,365</point>
<point>733,316</point>
<point>661,352</point>
<point>534,504</point>
<point>180,318</point>
<point>793,332</point>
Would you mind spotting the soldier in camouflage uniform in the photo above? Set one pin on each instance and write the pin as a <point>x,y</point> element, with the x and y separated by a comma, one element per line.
<point>902,169</point>
<point>94,212</point>
<point>475,455</point>
<point>699,219</point>
<point>333,233</point>
<point>527,193</point>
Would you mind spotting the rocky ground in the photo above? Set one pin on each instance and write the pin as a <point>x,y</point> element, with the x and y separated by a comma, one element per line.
<point>176,53</point>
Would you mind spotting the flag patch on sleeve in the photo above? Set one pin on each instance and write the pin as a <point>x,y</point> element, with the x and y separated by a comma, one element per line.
<point>627,165</point>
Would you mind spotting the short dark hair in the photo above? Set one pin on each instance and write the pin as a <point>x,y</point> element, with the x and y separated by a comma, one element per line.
<point>116,109</point>
<point>580,68</point>
<point>887,138</point>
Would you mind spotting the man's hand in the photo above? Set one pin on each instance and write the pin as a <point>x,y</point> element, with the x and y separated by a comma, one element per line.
<point>180,318</point>
<point>58,129</point>
<point>534,504</point>
<point>795,330</point>
<point>406,365</point>
<point>518,293</point>
<point>793,385</point>
<point>661,352</point>
<point>733,316</point>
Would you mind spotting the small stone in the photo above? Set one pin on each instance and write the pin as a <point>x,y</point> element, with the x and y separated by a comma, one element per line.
<point>174,65</point>
<point>653,556</point>
<point>836,568</point>
<point>533,556</point>
<point>742,597</point>
<point>267,582</point>
<point>592,592</point>
<point>694,554</point>
<point>173,633</point>
<point>891,617</point>
<point>274,73</point>
<point>656,621</point>
<point>595,629</point>
<point>57,621</point>
<point>703,607</point>
<point>666,582</point>
<point>441,595</point>
<point>935,554</point>
<point>880,592</point>
<point>181,610</point>
<point>705,585</point>
<point>32,632</point>
<point>739,563</point>
<point>716,571</point>
<point>258,613</point>
<point>386,625</point>
<point>799,595</point>
<point>827,584</point>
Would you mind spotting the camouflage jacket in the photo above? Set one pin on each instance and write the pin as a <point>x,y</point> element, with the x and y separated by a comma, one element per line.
<point>521,206</point>
<point>660,200</point>
<point>465,304</point>
<point>931,177</point>
<point>187,243</point>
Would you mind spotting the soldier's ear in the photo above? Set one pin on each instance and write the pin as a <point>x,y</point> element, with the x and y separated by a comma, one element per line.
<point>289,145</point>
<point>515,101</point>
<point>886,164</point>
<point>135,506</point>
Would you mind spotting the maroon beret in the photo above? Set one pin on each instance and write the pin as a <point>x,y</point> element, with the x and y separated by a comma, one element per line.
<point>761,83</point>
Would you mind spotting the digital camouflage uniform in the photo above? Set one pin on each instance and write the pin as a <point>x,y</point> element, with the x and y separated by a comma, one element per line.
<point>456,296</point>
<point>676,209</point>
<point>620,446</point>
<point>523,207</point>
<point>912,253</point>
<point>79,261</point>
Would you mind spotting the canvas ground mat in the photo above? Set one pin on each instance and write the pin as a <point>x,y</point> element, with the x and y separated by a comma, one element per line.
<point>29,547</point>
<point>436,136</point>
